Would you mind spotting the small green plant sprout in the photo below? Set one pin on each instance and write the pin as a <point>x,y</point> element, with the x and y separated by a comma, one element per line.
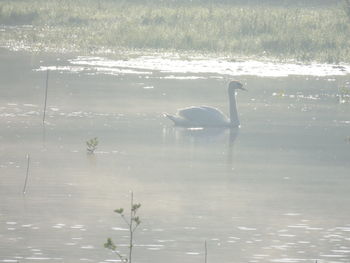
<point>91,145</point>
<point>133,223</point>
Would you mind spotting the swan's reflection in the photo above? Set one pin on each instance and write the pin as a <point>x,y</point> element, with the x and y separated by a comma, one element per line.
<point>215,141</point>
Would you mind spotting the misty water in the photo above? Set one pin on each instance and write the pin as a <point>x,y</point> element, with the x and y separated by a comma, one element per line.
<point>275,190</point>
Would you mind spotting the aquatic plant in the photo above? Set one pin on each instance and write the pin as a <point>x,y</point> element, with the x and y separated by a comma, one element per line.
<point>133,222</point>
<point>344,93</point>
<point>91,145</point>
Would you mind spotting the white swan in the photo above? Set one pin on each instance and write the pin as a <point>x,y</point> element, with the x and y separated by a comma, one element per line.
<point>205,116</point>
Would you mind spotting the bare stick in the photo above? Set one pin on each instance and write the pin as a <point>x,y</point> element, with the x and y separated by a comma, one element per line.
<point>205,251</point>
<point>131,226</point>
<point>27,175</point>
<point>122,259</point>
<point>47,85</point>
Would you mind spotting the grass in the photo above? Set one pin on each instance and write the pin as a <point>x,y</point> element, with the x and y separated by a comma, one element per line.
<point>305,34</point>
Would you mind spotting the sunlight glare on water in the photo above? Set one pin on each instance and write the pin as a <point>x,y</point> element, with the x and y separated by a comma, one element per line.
<point>193,65</point>
<point>173,63</point>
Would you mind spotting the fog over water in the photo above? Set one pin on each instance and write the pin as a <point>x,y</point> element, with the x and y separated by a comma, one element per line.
<point>274,190</point>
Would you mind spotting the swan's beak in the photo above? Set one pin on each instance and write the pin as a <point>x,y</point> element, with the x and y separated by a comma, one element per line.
<point>243,88</point>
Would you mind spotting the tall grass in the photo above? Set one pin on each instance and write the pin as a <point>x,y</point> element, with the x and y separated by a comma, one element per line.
<point>321,34</point>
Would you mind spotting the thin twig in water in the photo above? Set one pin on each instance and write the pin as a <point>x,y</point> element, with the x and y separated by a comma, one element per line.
<point>47,85</point>
<point>133,223</point>
<point>122,259</point>
<point>27,175</point>
<point>132,215</point>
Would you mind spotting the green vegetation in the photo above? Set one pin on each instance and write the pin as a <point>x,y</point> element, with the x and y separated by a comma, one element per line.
<point>133,222</point>
<point>304,33</point>
<point>344,93</point>
<point>91,145</point>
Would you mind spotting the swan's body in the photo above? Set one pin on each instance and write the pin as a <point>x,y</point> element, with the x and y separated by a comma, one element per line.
<point>205,116</point>
<point>199,117</point>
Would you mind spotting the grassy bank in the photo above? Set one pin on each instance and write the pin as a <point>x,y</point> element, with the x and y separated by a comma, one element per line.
<point>321,34</point>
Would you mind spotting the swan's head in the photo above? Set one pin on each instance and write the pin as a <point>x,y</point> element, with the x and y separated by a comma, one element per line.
<point>234,85</point>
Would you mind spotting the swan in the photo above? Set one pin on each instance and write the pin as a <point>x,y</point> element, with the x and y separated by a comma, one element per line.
<point>204,116</point>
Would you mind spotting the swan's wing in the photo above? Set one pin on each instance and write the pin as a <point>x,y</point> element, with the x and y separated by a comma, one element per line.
<point>203,115</point>
<point>214,113</point>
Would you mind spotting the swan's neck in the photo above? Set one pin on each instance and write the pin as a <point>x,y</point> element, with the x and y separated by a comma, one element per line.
<point>234,121</point>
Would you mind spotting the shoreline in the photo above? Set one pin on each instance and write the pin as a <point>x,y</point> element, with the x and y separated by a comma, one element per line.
<point>277,33</point>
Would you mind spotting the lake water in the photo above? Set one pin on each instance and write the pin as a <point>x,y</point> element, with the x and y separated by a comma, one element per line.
<point>276,190</point>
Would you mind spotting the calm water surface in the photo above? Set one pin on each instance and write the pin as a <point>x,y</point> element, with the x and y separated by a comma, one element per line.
<point>277,190</point>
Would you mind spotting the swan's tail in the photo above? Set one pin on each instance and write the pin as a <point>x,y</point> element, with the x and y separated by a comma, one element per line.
<point>171,117</point>
<point>178,121</point>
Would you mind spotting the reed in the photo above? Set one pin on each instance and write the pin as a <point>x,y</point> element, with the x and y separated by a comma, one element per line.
<point>305,34</point>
